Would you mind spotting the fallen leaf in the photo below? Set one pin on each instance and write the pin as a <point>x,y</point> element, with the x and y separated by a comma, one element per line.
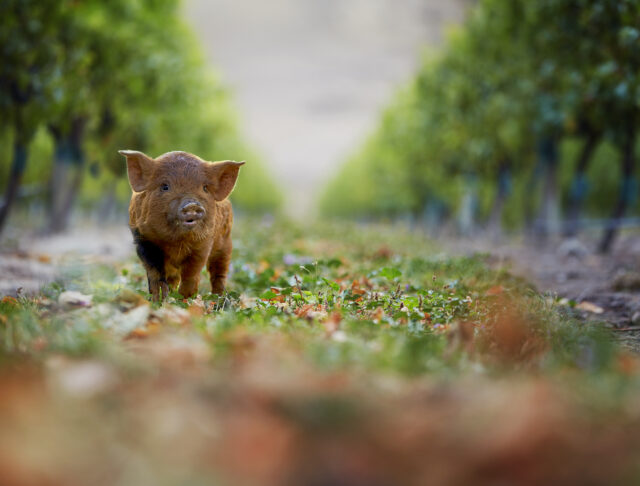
<point>170,314</point>
<point>333,322</point>
<point>39,343</point>
<point>355,288</point>
<point>197,307</point>
<point>311,311</point>
<point>262,266</point>
<point>383,253</point>
<point>10,300</point>
<point>628,364</point>
<point>144,332</point>
<point>495,290</point>
<point>377,315</point>
<point>590,307</point>
<point>124,323</point>
<point>130,299</point>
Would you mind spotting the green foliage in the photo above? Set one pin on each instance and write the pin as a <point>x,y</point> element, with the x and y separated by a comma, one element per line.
<point>102,76</point>
<point>515,75</point>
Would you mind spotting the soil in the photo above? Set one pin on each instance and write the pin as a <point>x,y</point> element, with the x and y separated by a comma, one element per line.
<point>29,261</point>
<point>597,287</point>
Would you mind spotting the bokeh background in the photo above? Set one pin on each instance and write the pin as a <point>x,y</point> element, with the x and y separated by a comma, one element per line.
<point>310,77</point>
<point>456,117</point>
<point>351,346</point>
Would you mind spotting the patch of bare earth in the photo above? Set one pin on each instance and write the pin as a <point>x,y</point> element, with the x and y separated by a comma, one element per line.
<point>596,287</point>
<point>29,261</point>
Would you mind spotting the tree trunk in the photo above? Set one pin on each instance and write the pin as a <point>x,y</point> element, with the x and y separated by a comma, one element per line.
<point>495,217</point>
<point>67,175</point>
<point>549,217</point>
<point>625,195</point>
<point>108,206</point>
<point>468,206</point>
<point>579,184</point>
<point>18,167</point>
<point>529,203</point>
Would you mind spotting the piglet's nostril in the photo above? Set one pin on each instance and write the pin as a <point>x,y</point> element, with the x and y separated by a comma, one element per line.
<point>191,211</point>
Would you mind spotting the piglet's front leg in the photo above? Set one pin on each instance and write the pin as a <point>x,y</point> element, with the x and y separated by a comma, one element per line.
<point>190,275</point>
<point>152,258</point>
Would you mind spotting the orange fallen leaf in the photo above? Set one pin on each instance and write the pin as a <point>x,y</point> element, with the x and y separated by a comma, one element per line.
<point>495,290</point>
<point>355,288</point>
<point>197,307</point>
<point>195,310</point>
<point>383,253</point>
<point>590,307</point>
<point>333,322</point>
<point>378,314</point>
<point>10,300</point>
<point>311,311</point>
<point>44,258</point>
<point>39,343</point>
<point>628,364</point>
<point>143,332</point>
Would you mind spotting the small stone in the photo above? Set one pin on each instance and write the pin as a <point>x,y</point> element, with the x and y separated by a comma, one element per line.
<point>572,247</point>
<point>81,379</point>
<point>71,298</point>
<point>635,318</point>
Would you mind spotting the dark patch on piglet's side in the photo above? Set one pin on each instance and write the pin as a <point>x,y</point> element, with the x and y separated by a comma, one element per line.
<point>150,253</point>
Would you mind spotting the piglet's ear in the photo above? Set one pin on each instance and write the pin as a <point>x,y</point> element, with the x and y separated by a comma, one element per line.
<point>139,169</point>
<point>222,177</point>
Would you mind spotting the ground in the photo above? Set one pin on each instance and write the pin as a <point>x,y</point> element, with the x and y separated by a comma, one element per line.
<point>341,354</point>
<point>601,287</point>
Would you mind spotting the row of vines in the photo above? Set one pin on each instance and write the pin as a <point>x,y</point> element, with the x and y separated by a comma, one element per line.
<point>80,79</point>
<point>527,118</point>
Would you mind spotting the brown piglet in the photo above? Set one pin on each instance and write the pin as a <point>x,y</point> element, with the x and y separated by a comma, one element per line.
<point>181,219</point>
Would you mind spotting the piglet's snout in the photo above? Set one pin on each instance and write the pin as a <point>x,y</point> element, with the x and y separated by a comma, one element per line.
<point>191,210</point>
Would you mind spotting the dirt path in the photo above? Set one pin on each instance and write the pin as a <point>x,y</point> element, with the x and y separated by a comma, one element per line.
<point>603,287</point>
<point>29,261</point>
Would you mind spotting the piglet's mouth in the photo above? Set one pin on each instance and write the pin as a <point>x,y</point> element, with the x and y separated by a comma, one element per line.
<point>190,223</point>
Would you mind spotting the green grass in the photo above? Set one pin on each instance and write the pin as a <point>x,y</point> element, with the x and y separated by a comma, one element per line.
<point>370,297</point>
<point>365,340</point>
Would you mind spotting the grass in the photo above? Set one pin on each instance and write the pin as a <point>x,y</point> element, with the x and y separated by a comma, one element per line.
<point>327,337</point>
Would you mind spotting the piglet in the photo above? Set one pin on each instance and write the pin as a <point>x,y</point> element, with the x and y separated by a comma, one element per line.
<point>181,219</point>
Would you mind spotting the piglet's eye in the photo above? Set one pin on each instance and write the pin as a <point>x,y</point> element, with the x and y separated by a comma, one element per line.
<point>164,187</point>
<point>205,188</point>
